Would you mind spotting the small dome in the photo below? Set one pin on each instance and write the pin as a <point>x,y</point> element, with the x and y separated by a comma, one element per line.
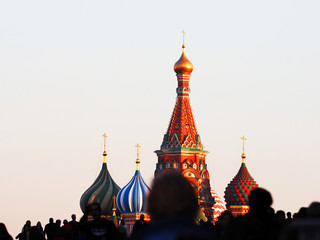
<point>218,206</point>
<point>239,188</point>
<point>133,197</point>
<point>183,65</point>
<point>101,191</point>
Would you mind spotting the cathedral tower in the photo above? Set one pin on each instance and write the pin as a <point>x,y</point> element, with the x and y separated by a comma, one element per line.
<point>181,148</point>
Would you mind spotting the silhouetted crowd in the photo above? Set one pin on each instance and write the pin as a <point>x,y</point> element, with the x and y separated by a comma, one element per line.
<point>173,205</point>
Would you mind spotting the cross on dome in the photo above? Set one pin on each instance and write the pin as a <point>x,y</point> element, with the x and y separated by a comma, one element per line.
<point>104,154</point>
<point>243,156</point>
<point>138,160</point>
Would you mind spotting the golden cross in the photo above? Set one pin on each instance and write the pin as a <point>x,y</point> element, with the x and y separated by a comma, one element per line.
<point>243,138</point>
<point>137,146</point>
<point>183,34</point>
<point>104,142</point>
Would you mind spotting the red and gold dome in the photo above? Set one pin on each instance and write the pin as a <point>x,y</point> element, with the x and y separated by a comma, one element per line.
<point>238,190</point>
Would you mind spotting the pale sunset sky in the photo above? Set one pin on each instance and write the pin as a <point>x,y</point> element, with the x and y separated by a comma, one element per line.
<point>72,70</point>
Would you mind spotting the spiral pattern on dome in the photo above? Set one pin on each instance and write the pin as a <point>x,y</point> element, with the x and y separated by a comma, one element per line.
<point>239,188</point>
<point>101,191</point>
<point>218,206</point>
<point>133,197</point>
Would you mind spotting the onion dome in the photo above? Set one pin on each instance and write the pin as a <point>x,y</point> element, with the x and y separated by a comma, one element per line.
<point>132,198</point>
<point>218,206</point>
<point>183,65</point>
<point>102,190</point>
<point>239,188</point>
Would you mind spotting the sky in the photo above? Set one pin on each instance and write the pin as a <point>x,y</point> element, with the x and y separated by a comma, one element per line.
<point>72,70</point>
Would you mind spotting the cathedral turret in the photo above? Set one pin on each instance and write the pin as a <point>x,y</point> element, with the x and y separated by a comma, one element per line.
<point>238,190</point>
<point>132,198</point>
<point>181,147</point>
<point>102,190</point>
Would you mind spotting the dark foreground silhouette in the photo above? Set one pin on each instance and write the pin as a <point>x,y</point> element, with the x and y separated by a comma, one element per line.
<point>172,205</point>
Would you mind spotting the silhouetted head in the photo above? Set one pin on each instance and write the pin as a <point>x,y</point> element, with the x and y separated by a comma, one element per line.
<point>50,220</point>
<point>314,210</point>
<point>289,215</point>
<point>73,217</point>
<point>172,196</point>
<point>39,225</point>
<point>259,200</point>
<point>94,210</point>
<point>225,218</point>
<point>122,222</point>
<point>58,222</point>
<point>302,212</point>
<point>280,217</point>
<point>142,217</point>
<point>3,230</point>
<point>28,223</point>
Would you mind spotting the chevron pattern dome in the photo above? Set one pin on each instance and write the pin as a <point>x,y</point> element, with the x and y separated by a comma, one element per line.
<point>239,188</point>
<point>218,206</point>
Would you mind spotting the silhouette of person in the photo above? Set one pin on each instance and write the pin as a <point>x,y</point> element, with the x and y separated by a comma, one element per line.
<point>139,224</point>
<point>74,226</point>
<point>94,227</point>
<point>58,232</point>
<point>4,234</point>
<point>123,229</point>
<point>67,230</point>
<point>172,204</point>
<point>223,223</point>
<point>306,225</point>
<point>49,229</point>
<point>313,210</point>
<point>257,223</point>
<point>40,230</point>
<point>25,234</point>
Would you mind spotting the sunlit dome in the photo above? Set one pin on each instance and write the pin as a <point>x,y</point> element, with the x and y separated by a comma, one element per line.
<point>238,190</point>
<point>183,65</point>
<point>101,191</point>
<point>132,198</point>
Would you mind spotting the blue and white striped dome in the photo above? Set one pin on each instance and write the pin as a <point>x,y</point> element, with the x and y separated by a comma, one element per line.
<point>133,197</point>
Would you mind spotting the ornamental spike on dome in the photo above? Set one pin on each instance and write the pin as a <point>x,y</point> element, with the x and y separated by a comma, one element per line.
<point>102,190</point>
<point>238,190</point>
<point>132,198</point>
<point>138,160</point>
<point>104,154</point>
<point>183,65</point>
<point>243,156</point>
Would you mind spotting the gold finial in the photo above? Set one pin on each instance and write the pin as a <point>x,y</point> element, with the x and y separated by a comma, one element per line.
<point>114,205</point>
<point>104,154</point>
<point>138,160</point>
<point>183,36</point>
<point>243,156</point>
